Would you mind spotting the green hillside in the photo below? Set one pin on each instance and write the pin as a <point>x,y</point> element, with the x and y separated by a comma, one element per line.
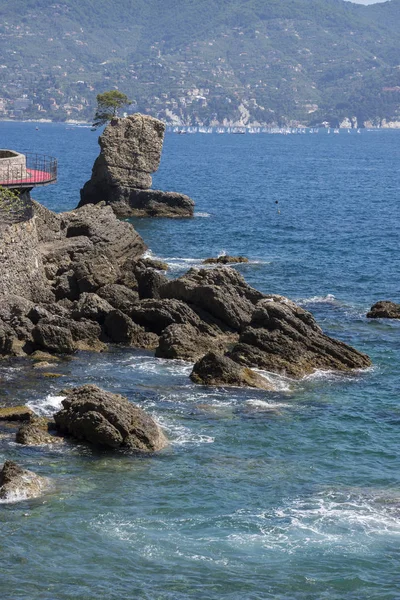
<point>201,61</point>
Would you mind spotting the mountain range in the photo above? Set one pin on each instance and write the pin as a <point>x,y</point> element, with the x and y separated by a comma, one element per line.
<point>269,62</point>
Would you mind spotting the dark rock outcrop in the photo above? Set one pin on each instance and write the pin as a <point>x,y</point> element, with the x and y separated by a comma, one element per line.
<point>225,259</point>
<point>130,151</point>
<point>107,419</point>
<point>37,431</point>
<point>217,370</point>
<point>222,292</point>
<point>151,203</point>
<point>15,413</point>
<point>284,338</point>
<point>385,309</point>
<point>18,484</point>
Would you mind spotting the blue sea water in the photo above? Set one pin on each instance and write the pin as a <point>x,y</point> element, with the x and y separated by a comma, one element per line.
<point>292,494</point>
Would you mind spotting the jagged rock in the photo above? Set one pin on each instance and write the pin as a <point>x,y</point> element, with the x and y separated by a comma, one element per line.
<point>284,338</point>
<point>107,419</point>
<point>128,202</point>
<point>225,259</point>
<point>384,309</point>
<point>130,150</point>
<point>53,338</point>
<point>37,432</point>
<point>18,484</point>
<point>119,327</point>
<point>122,330</point>
<point>119,297</point>
<point>92,307</point>
<point>152,263</point>
<point>15,413</point>
<point>156,315</point>
<point>6,339</point>
<point>186,342</point>
<point>116,239</point>
<point>94,272</point>
<point>222,292</point>
<point>87,335</point>
<point>150,282</point>
<point>215,369</point>
<point>66,286</point>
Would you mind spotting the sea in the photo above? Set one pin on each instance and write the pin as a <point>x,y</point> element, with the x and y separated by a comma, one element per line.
<point>287,495</point>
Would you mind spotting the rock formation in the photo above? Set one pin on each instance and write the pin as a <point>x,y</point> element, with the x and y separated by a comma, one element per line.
<point>18,484</point>
<point>385,309</point>
<point>284,338</point>
<point>110,420</point>
<point>38,431</point>
<point>96,288</point>
<point>130,151</point>
<point>217,370</point>
<point>225,259</point>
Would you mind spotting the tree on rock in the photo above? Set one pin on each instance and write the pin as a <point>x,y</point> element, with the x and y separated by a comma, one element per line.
<point>108,105</point>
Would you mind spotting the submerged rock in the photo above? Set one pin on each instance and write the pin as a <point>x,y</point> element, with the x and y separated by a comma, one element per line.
<point>130,151</point>
<point>384,309</point>
<point>15,413</point>
<point>217,370</point>
<point>107,419</point>
<point>225,259</point>
<point>18,484</point>
<point>37,432</point>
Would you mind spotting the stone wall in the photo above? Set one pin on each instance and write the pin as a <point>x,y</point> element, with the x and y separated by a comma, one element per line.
<point>15,207</point>
<point>12,166</point>
<point>21,267</point>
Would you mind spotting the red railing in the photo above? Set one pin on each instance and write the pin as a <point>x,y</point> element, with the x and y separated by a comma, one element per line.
<point>38,170</point>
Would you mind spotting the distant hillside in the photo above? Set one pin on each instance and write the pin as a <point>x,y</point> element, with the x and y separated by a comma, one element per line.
<point>202,61</point>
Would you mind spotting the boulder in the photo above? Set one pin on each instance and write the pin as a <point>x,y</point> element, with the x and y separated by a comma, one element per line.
<point>119,297</point>
<point>284,338</point>
<point>107,419</point>
<point>53,338</point>
<point>92,307</point>
<point>156,315</point>
<point>6,339</point>
<point>18,484</point>
<point>225,259</point>
<point>217,370</point>
<point>130,151</point>
<point>385,309</point>
<point>186,342</point>
<point>37,431</point>
<point>152,203</point>
<point>15,413</point>
<point>116,239</point>
<point>221,292</point>
<point>95,271</point>
<point>150,282</point>
<point>120,329</point>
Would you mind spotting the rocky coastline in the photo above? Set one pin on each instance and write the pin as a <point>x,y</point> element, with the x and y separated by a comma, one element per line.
<point>79,280</point>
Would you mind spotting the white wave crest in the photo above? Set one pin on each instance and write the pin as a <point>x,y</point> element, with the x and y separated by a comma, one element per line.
<point>267,406</point>
<point>202,215</point>
<point>328,299</point>
<point>179,435</point>
<point>332,520</point>
<point>151,364</point>
<point>46,406</point>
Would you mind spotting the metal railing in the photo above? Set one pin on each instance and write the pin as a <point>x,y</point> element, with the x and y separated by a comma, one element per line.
<point>37,169</point>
